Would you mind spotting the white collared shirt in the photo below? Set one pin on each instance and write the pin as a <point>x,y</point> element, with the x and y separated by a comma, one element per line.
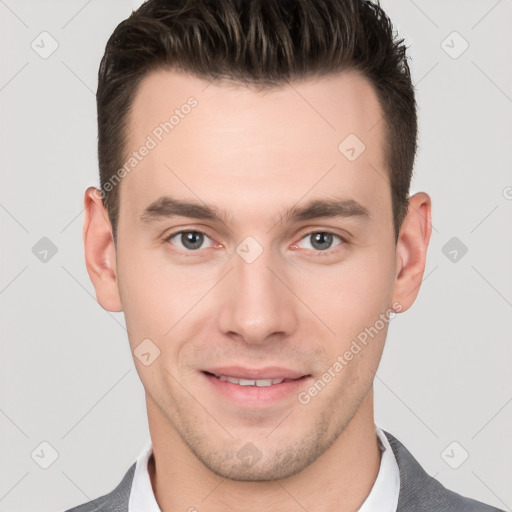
<point>383,496</point>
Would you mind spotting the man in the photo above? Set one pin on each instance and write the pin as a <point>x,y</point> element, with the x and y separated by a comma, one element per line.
<point>254,225</point>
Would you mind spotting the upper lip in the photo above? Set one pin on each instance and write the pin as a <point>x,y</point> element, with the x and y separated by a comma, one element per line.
<point>268,372</point>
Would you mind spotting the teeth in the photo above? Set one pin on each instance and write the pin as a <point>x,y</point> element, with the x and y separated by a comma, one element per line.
<point>251,382</point>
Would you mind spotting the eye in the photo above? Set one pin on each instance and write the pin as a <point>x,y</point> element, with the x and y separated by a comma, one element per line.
<point>321,240</point>
<point>189,240</point>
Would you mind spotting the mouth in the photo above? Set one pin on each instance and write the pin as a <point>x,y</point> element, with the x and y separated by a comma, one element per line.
<point>260,383</point>
<point>255,388</point>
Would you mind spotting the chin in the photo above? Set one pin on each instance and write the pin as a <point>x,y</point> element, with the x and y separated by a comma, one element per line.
<point>247,463</point>
<point>272,470</point>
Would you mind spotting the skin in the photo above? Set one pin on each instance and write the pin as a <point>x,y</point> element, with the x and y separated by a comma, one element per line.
<point>257,155</point>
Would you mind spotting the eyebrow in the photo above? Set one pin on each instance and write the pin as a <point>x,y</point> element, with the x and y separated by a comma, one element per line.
<point>167,207</point>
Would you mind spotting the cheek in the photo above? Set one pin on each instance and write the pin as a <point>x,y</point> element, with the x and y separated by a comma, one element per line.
<point>367,292</point>
<point>357,308</point>
<point>161,300</point>
<point>350,296</point>
<point>145,294</point>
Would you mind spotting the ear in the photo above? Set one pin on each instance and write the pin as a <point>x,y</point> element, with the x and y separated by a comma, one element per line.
<point>100,251</point>
<point>411,250</point>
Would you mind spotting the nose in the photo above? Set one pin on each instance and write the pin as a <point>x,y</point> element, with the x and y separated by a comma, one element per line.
<point>256,304</point>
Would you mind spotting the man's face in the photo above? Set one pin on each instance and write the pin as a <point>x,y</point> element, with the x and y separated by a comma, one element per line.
<point>260,294</point>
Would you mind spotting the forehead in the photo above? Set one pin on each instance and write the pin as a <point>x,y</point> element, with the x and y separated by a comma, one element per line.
<point>221,141</point>
<point>330,104</point>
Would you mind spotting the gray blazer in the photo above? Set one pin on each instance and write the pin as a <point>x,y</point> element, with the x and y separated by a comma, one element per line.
<point>419,492</point>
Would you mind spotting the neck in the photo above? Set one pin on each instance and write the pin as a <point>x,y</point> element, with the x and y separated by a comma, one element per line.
<point>340,479</point>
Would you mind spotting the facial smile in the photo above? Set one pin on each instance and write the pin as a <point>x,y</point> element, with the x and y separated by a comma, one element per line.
<point>255,388</point>
<point>261,383</point>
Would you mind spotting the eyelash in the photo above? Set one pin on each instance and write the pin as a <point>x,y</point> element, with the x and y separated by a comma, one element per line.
<point>343,241</point>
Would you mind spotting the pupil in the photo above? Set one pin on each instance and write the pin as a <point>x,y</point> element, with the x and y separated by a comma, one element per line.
<point>192,240</point>
<point>321,238</point>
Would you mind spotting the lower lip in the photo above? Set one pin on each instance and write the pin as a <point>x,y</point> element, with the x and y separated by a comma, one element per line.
<point>255,396</point>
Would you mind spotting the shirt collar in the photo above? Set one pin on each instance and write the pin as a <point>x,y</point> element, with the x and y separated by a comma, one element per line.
<point>383,496</point>
<point>142,498</point>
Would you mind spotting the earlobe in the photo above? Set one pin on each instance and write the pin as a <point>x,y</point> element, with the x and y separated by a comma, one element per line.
<point>100,251</point>
<point>411,250</point>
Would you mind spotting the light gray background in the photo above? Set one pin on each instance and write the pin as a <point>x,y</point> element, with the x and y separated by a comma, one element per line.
<point>67,375</point>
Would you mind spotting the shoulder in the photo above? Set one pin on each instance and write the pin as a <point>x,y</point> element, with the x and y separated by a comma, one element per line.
<point>419,492</point>
<point>114,501</point>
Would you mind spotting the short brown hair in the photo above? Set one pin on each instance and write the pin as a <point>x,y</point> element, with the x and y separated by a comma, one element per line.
<point>261,43</point>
